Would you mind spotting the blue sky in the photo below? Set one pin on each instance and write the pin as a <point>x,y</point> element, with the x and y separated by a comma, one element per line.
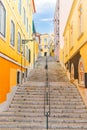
<point>43,18</point>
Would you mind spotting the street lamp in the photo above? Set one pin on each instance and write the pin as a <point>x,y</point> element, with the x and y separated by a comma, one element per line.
<point>25,41</point>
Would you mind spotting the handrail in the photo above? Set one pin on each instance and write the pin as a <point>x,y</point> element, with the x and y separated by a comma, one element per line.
<point>47,96</point>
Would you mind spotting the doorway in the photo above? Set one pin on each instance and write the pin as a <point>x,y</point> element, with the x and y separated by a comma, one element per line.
<point>18,77</point>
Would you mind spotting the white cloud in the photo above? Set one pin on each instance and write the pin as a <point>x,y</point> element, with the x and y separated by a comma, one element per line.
<point>46,19</point>
<point>42,5</point>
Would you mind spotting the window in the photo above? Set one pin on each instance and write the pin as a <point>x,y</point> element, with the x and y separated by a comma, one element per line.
<point>29,8</point>
<point>23,14</point>
<point>23,47</point>
<point>80,19</point>
<point>2,19</point>
<point>27,2</point>
<point>71,36</point>
<point>66,47</point>
<point>27,53</point>
<point>19,42</point>
<point>45,40</point>
<point>27,25</point>
<point>12,34</point>
<point>19,5</point>
<point>29,30</point>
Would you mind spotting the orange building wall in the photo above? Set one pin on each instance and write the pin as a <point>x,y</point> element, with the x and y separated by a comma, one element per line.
<point>8,77</point>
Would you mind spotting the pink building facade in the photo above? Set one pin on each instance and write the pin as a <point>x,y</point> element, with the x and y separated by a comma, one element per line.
<point>57,30</point>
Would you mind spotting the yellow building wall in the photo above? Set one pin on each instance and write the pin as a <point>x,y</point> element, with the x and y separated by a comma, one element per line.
<point>8,70</point>
<point>83,52</point>
<point>77,50</point>
<point>78,40</point>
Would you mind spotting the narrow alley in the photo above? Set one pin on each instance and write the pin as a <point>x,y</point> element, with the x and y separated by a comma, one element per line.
<point>47,100</point>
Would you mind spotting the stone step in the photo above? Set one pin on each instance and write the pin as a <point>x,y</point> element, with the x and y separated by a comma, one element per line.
<point>55,88</point>
<point>41,124</point>
<point>56,102</point>
<point>27,106</point>
<point>26,110</point>
<point>22,119</point>
<point>27,102</point>
<point>69,115</point>
<point>51,94</point>
<point>33,109</point>
<point>33,93</point>
<point>25,93</point>
<point>38,114</point>
<point>25,125</point>
<point>27,99</point>
<point>68,107</point>
<point>66,89</point>
<point>52,104</point>
<point>64,95</point>
<point>66,103</point>
<point>52,99</point>
<point>23,129</point>
<point>25,114</point>
<point>67,120</point>
<point>29,96</point>
<point>68,126</point>
<point>68,111</point>
<point>40,119</point>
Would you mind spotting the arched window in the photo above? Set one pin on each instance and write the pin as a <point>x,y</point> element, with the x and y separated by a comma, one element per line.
<point>2,19</point>
<point>81,72</point>
<point>19,42</point>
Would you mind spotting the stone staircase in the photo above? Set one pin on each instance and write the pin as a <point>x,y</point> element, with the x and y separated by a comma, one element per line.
<point>67,108</point>
<point>26,111</point>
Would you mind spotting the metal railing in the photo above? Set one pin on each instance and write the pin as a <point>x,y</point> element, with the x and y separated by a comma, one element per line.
<point>47,97</point>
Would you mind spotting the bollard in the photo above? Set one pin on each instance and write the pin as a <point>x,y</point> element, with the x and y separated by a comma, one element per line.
<point>47,114</point>
<point>46,66</point>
